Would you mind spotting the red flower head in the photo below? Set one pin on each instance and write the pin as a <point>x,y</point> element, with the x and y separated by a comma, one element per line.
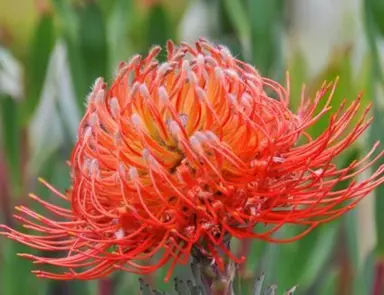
<point>182,154</point>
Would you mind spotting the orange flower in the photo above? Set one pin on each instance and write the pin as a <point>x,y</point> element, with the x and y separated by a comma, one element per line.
<point>187,153</point>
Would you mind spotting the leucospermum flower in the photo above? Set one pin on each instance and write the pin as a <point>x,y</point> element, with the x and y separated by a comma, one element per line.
<point>181,155</point>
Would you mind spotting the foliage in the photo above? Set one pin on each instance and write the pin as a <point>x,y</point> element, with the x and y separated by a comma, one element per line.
<point>49,56</point>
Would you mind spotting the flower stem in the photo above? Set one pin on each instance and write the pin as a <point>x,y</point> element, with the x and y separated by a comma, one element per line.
<point>210,277</point>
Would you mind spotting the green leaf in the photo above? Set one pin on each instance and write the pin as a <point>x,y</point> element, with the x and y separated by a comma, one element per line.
<point>376,133</point>
<point>364,278</point>
<point>9,114</point>
<point>159,29</point>
<point>68,22</point>
<point>257,247</point>
<point>318,255</point>
<point>42,45</point>
<point>330,283</point>
<point>118,24</point>
<point>92,41</point>
<point>126,283</point>
<point>270,262</point>
<point>106,5</point>
<point>378,111</point>
<point>349,220</point>
<point>339,66</point>
<point>350,224</point>
<point>15,269</point>
<point>298,74</point>
<point>69,28</point>
<point>266,30</point>
<point>378,14</point>
<point>237,14</point>
<point>303,261</point>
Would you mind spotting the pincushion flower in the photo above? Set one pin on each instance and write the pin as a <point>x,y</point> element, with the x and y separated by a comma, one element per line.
<point>181,155</point>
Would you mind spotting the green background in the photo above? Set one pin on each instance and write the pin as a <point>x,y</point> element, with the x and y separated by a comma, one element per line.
<point>52,51</point>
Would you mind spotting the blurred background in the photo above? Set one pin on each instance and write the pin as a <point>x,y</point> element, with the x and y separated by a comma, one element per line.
<point>51,51</point>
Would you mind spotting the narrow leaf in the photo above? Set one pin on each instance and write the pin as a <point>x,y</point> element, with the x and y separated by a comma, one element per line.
<point>9,114</point>
<point>118,25</point>
<point>266,30</point>
<point>93,45</point>
<point>41,48</point>
<point>159,29</point>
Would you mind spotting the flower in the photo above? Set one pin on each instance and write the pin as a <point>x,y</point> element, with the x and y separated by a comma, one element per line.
<point>180,155</point>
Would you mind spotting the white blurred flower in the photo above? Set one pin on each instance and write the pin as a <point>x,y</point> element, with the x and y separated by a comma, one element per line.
<point>57,110</point>
<point>11,81</point>
<point>200,20</point>
<point>318,27</point>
